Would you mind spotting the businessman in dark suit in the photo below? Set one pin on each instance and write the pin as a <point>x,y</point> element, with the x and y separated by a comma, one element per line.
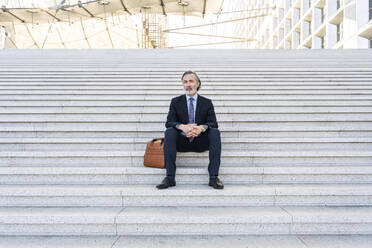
<point>191,127</point>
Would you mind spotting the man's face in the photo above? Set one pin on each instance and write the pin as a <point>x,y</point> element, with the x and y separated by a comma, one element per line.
<point>190,84</point>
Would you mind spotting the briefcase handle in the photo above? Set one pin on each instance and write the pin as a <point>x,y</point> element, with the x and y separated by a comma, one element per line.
<point>161,142</point>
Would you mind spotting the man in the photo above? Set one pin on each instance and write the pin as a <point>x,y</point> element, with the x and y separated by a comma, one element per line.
<point>191,127</point>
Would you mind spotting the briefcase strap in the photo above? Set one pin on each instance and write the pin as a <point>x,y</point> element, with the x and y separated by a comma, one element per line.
<point>161,142</point>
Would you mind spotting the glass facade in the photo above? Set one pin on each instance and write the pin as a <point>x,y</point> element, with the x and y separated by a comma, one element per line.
<point>310,24</point>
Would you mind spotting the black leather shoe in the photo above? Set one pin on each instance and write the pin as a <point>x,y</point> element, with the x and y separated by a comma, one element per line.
<point>167,182</point>
<point>216,183</point>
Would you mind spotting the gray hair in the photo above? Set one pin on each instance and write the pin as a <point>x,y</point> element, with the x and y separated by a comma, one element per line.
<point>196,76</point>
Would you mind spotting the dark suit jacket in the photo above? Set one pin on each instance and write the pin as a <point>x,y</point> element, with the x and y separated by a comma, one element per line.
<point>178,113</point>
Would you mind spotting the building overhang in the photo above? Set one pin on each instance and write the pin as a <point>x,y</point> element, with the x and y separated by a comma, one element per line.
<point>366,30</point>
<point>103,8</point>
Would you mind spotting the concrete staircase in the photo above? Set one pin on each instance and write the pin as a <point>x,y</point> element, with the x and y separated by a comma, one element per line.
<point>296,131</point>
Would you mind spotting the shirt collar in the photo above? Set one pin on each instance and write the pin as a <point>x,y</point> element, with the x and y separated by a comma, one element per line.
<point>195,97</point>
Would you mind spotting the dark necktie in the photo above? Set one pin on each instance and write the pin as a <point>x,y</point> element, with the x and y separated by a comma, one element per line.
<point>191,115</point>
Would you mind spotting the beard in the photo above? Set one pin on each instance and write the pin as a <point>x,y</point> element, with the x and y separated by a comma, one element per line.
<point>190,91</point>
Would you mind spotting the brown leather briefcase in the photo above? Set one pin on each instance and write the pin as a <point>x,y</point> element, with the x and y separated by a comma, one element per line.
<point>154,155</point>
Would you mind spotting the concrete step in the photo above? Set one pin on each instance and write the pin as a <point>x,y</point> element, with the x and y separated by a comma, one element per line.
<point>162,88</point>
<point>151,118</point>
<point>231,133</point>
<point>170,61</point>
<point>237,128</point>
<point>185,195</point>
<point>205,73</point>
<point>121,97</point>
<point>233,78</point>
<point>236,68</point>
<point>158,108</point>
<point>176,75</point>
<point>165,103</point>
<point>148,65</point>
<point>139,144</point>
<point>190,241</point>
<point>165,72</point>
<point>162,57</point>
<point>179,91</point>
<point>222,81</point>
<point>121,175</point>
<point>186,220</point>
<point>230,128</point>
<point>171,76</point>
<point>180,63</point>
<point>247,220</point>
<point>213,83</point>
<point>179,68</point>
<point>134,64</point>
<point>172,85</point>
<point>164,110</point>
<point>228,158</point>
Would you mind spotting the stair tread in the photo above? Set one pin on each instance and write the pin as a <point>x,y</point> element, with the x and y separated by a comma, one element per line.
<point>189,170</point>
<point>188,190</point>
<point>95,140</point>
<point>186,215</point>
<point>268,153</point>
<point>190,241</point>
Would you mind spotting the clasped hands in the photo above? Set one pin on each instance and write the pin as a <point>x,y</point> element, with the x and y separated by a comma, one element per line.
<point>191,130</point>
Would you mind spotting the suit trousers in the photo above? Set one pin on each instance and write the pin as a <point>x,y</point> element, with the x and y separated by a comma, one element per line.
<point>175,142</point>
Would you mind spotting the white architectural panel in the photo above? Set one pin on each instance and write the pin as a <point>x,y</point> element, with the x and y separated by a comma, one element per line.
<point>307,24</point>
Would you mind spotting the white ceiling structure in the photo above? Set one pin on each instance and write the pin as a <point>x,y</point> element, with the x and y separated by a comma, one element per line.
<point>68,11</point>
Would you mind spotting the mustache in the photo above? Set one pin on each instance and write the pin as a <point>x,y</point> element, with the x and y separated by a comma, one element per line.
<point>190,91</point>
